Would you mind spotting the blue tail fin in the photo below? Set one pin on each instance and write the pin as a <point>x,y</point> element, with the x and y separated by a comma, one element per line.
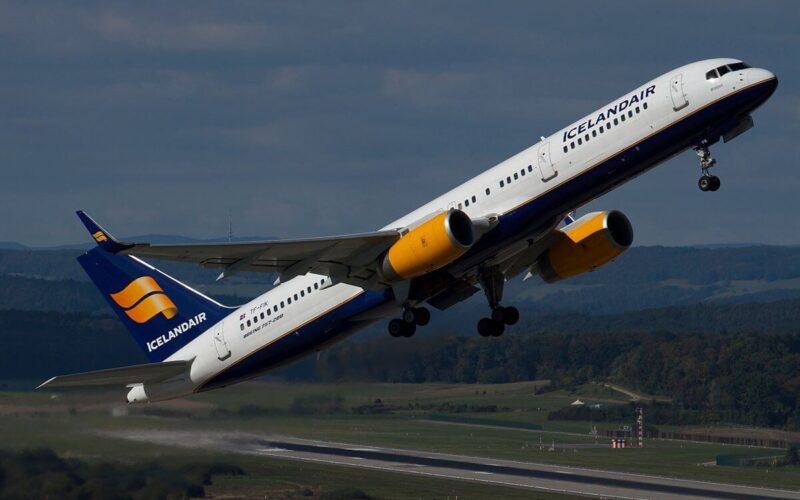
<point>161,313</point>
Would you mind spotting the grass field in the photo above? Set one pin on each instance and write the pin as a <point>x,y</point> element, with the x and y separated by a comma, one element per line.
<point>84,424</point>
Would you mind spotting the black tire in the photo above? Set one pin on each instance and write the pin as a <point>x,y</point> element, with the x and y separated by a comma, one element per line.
<point>497,329</point>
<point>485,327</point>
<point>409,329</point>
<point>510,315</point>
<point>422,316</point>
<point>409,316</point>
<point>715,183</point>
<point>396,327</point>
<point>704,183</point>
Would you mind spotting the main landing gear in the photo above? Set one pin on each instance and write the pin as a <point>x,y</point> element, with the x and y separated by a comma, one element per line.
<point>407,325</point>
<point>707,182</point>
<point>492,281</point>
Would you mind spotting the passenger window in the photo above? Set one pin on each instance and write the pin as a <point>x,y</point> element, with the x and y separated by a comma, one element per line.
<point>580,141</point>
<point>722,70</point>
<point>460,206</point>
<point>309,289</point>
<point>601,129</point>
<point>269,312</point>
<point>302,293</point>
<point>262,315</point>
<point>282,305</point>
<point>644,105</point>
<point>616,121</point>
<point>242,326</point>
<point>586,137</point>
<point>594,133</point>
<point>316,286</point>
<point>288,301</point>
<point>466,203</point>
<point>516,176</point>
<point>502,184</point>
<point>474,198</point>
<point>530,168</point>
<point>487,191</point>
<point>275,308</point>
<point>508,180</point>
<point>637,110</point>
<point>711,75</point>
<point>295,297</point>
<point>248,322</point>
<point>572,145</point>
<point>522,172</point>
<point>566,149</point>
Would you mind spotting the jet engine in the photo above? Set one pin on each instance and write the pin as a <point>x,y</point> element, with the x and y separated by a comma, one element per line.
<point>429,246</point>
<point>588,243</point>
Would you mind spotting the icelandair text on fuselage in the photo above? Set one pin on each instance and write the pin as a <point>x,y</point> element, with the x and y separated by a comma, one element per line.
<point>608,113</point>
<point>157,342</point>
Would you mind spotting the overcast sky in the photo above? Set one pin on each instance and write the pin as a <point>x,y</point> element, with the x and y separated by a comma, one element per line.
<point>309,119</point>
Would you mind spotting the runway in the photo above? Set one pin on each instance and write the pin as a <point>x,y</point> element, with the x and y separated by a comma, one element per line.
<point>509,473</point>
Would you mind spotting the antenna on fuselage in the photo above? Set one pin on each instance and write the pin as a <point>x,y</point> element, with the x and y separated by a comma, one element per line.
<point>230,228</point>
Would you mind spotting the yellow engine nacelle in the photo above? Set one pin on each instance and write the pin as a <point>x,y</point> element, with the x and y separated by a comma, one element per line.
<point>586,244</point>
<point>429,246</point>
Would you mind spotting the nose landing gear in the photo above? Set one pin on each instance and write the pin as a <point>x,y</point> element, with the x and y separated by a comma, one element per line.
<point>492,282</point>
<point>707,182</point>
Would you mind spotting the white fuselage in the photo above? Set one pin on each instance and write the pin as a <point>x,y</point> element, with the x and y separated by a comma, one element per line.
<point>566,170</point>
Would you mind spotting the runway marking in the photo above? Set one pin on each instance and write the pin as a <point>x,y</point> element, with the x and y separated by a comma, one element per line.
<point>461,478</point>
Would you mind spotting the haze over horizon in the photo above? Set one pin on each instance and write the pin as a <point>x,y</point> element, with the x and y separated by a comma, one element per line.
<point>300,120</point>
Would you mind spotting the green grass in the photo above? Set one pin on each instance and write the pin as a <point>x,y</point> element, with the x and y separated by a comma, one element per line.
<point>502,434</point>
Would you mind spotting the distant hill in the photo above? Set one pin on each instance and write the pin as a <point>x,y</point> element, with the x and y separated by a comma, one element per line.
<point>642,278</point>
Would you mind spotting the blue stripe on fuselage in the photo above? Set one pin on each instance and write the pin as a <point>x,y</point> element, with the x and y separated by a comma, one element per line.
<point>537,215</point>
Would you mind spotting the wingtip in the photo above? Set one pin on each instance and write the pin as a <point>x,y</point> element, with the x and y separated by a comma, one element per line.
<point>43,384</point>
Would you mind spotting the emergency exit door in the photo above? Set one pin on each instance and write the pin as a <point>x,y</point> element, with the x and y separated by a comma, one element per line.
<point>223,351</point>
<point>676,92</point>
<point>546,169</point>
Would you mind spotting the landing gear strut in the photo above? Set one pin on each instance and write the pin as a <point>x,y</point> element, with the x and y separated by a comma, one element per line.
<point>407,326</point>
<point>492,281</point>
<point>707,182</point>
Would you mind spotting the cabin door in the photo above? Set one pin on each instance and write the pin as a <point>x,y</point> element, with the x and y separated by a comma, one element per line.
<point>546,169</point>
<point>676,92</point>
<point>223,351</point>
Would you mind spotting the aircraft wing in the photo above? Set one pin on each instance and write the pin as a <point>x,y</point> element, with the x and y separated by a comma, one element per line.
<point>127,375</point>
<point>349,258</point>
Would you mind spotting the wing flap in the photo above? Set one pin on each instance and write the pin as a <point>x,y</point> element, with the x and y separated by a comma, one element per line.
<point>123,376</point>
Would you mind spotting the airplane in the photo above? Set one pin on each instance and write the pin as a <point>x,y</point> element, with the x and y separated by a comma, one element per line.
<point>517,217</point>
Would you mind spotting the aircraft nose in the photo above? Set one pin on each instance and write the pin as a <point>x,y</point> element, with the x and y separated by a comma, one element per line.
<point>759,75</point>
<point>764,80</point>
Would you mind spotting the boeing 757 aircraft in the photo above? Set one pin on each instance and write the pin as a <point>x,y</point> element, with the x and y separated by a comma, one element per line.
<point>513,218</point>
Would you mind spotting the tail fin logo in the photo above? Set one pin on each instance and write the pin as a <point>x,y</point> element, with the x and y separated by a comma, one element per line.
<point>143,299</point>
<point>99,236</point>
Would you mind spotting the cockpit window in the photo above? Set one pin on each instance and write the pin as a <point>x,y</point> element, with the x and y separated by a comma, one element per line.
<point>722,70</point>
<point>738,66</point>
<point>712,75</point>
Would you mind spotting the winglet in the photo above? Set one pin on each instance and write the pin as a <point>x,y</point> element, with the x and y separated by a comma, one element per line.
<point>101,236</point>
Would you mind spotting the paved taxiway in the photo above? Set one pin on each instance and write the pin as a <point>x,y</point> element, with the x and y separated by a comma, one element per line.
<point>533,476</point>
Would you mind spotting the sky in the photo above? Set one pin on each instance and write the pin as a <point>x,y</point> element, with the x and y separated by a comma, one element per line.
<point>302,119</point>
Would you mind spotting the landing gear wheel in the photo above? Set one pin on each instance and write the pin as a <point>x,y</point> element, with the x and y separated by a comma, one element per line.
<point>490,328</point>
<point>707,182</point>
<point>396,327</point>
<point>715,183</point>
<point>704,183</point>
<point>505,315</point>
<point>422,316</point>
<point>510,315</point>
<point>409,329</point>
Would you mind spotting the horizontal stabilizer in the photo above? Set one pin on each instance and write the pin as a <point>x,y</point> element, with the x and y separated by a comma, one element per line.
<point>126,375</point>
